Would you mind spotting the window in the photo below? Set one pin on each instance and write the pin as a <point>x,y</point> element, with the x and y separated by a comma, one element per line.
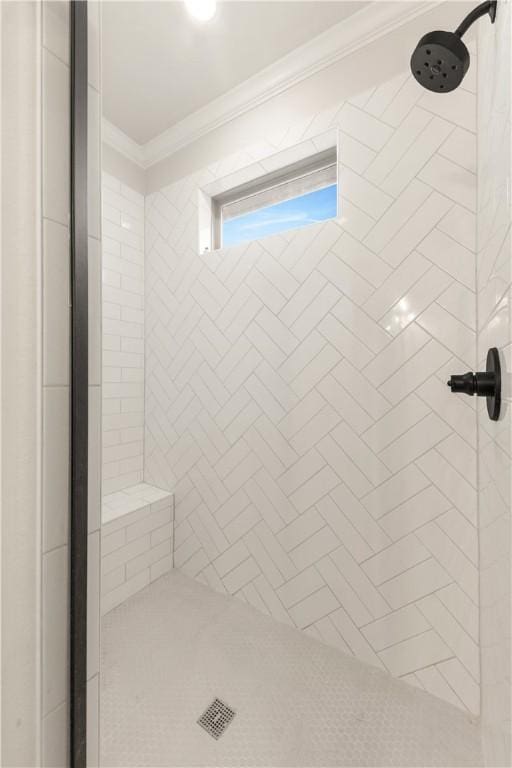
<point>292,197</point>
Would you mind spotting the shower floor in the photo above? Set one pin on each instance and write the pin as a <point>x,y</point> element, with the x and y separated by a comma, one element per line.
<point>175,646</point>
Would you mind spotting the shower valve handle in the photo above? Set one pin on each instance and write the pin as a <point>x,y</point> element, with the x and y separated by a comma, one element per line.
<point>481,384</point>
<point>484,383</point>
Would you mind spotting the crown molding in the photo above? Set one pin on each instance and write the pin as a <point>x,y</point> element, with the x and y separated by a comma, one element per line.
<point>362,28</point>
<point>122,143</point>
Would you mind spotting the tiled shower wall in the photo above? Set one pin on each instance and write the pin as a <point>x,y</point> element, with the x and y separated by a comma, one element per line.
<point>296,399</point>
<point>494,283</point>
<point>122,335</point>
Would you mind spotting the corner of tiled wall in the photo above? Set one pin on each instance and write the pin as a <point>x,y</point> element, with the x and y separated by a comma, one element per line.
<point>494,297</point>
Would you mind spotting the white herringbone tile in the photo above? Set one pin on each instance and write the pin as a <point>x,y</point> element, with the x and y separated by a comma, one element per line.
<point>295,396</point>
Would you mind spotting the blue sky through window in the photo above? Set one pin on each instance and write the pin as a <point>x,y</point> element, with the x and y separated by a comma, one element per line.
<point>289,214</point>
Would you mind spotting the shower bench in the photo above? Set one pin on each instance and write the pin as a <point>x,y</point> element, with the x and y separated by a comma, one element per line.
<point>136,541</point>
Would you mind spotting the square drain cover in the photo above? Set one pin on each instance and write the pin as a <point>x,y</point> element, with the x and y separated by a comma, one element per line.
<point>216,718</point>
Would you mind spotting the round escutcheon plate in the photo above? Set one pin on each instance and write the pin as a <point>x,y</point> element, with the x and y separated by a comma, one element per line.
<point>494,401</point>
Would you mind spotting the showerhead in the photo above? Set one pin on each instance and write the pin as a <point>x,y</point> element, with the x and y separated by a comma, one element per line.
<point>441,59</point>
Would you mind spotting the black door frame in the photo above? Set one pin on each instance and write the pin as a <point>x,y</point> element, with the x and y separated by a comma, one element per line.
<point>78,527</point>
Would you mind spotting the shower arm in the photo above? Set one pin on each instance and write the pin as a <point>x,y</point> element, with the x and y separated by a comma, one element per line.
<point>488,7</point>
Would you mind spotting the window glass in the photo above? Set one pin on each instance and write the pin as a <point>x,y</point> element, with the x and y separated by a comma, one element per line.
<point>292,213</point>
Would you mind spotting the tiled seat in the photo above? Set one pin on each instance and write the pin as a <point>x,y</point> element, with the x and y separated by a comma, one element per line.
<point>136,541</point>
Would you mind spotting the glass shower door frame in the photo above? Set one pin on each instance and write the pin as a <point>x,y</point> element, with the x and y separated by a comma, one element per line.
<point>78,528</point>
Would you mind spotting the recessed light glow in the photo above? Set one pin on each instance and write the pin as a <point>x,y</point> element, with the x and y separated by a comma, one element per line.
<point>202,10</point>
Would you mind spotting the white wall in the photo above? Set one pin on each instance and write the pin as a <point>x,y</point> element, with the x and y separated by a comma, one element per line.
<point>494,281</point>
<point>296,398</point>
<point>122,335</point>
<point>21,384</point>
<point>56,315</point>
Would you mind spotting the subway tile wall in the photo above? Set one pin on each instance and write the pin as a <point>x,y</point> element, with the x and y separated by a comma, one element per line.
<point>296,396</point>
<point>123,335</point>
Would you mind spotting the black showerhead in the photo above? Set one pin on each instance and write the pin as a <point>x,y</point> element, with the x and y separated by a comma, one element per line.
<point>440,60</point>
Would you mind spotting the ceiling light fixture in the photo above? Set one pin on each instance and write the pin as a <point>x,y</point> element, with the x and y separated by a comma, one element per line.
<point>202,10</point>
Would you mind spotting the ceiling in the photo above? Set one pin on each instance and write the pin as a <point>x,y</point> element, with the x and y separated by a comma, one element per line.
<point>159,65</point>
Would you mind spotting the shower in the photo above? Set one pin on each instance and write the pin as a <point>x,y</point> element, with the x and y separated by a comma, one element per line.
<point>440,60</point>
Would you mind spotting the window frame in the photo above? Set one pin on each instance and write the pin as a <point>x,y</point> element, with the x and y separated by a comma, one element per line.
<point>256,189</point>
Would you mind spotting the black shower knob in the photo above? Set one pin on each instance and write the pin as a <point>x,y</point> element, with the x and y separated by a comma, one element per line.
<point>481,384</point>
